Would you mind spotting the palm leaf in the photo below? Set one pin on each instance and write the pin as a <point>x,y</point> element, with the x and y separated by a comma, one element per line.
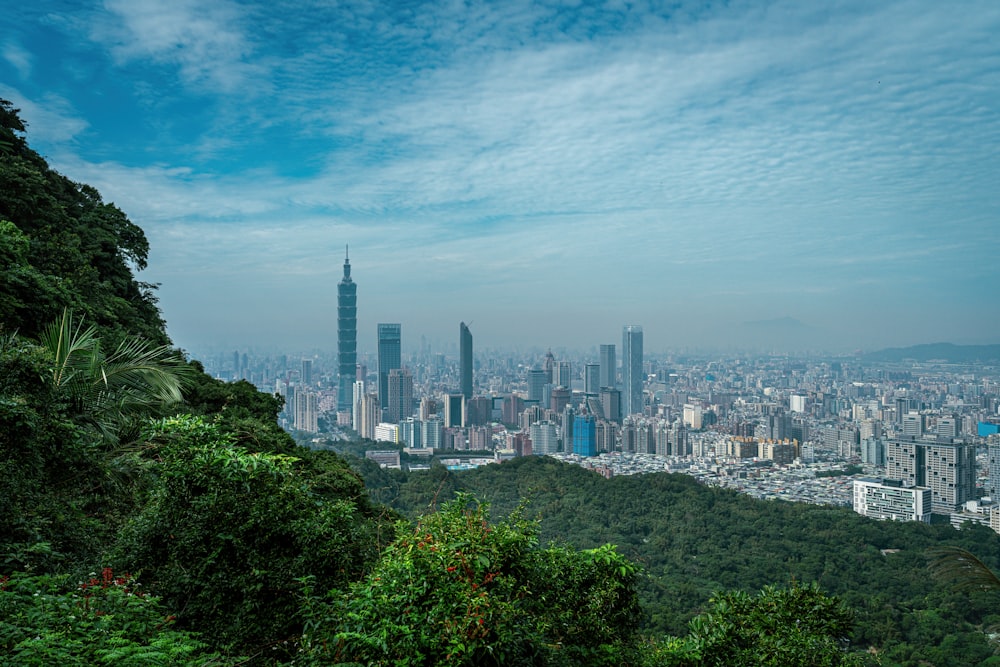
<point>962,570</point>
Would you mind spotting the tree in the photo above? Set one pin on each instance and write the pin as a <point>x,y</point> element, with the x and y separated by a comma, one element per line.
<point>108,391</point>
<point>457,590</point>
<point>226,534</point>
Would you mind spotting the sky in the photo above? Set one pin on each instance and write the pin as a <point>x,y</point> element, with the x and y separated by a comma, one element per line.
<point>823,175</point>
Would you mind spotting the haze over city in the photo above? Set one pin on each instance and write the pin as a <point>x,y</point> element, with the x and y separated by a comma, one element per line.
<point>816,176</point>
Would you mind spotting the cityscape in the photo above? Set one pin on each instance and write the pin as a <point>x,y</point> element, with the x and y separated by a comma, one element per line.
<point>901,440</point>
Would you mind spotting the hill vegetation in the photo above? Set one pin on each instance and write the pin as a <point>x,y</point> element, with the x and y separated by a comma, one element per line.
<point>156,516</point>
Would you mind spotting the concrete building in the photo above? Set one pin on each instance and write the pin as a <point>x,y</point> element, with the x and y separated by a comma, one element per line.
<point>465,360</point>
<point>544,438</point>
<point>888,500</point>
<point>609,373</point>
<point>633,378</point>
<point>949,470</point>
<point>400,395</point>
<point>390,356</point>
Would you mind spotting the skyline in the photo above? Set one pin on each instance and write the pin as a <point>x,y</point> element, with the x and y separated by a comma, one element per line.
<point>721,176</point>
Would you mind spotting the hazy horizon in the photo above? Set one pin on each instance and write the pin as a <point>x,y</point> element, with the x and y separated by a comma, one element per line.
<point>764,173</point>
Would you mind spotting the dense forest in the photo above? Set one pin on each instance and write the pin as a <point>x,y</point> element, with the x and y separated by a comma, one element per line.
<point>156,516</point>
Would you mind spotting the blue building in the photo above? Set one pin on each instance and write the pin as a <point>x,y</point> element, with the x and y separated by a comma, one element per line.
<point>585,435</point>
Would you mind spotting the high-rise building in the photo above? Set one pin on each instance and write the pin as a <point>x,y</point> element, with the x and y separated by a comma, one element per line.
<point>390,356</point>
<point>306,411</point>
<point>592,379</point>
<point>465,359</point>
<point>537,379</point>
<point>632,376</point>
<point>347,337</point>
<point>544,438</point>
<point>611,404</point>
<point>454,410</point>
<point>370,412</point>
<point>948,470</point>
<point>306,375</point>
<point>584,435</point>
<point>400,395</point>
<point>608,370</point>
<point>356,405</point>
<point>561,375</point>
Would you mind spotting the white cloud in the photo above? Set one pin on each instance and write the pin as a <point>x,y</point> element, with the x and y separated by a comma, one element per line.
<point>19,58</point>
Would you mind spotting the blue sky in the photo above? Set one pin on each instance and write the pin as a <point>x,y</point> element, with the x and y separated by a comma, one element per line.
<point>549,171</point>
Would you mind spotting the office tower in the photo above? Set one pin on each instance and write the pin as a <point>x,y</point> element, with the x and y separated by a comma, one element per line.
<point>400,395</point>
<point>913,424</point>
<point>592,379</point>
<point>430,433</point>
<point>549,364</point>
<point>454,410</point>
<point>584,435</point>
<point>410,432</point>
<point>993,480</point>
<point>947,427</point>
<point>559,398</point>
<point>544,438</point>
<point>948,470</point>
<point>357,399</point>
<point>347,337</point>
<point>537,379</point>
<point>465,359</point>
<point>692,416</point>
<point>608,371</point>
<point>632,377</point>
<point>306,375</point>
<point>561,375</point>
<point>390,356</point>
<point>873,451</point>
<point>611,404</point>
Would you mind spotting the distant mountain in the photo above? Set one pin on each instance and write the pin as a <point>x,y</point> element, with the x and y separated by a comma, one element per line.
<point>937,352</point>
<point>778,324</point>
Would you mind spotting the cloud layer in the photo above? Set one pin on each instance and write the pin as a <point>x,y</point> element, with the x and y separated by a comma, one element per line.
<point>688,169</point>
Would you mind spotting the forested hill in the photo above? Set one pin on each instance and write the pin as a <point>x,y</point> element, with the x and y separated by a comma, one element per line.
<point>693,540</point>
<point>63,247</point>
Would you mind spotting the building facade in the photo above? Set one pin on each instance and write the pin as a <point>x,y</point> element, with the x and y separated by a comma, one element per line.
<point>347,337</point>
<point>632,374</point>
<point>390,356</point>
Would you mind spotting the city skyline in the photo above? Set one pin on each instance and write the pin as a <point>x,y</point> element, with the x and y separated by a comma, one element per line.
<point>760,174</point>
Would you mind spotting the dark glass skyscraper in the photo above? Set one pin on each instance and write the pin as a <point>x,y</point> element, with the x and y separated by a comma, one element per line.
<point>632,377</point>
<point>390,356</point>
<point>347,337</point>
<point>465,359</point>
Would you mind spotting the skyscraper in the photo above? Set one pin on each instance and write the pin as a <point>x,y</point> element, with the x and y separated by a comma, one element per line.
<point>400,404</point>
<point>390,356</point>
<point>632,377</point>
<point>347,337</point>
<point>607,366</point>
<point>465,360</point>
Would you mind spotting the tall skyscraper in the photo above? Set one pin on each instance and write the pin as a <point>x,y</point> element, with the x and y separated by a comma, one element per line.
<point>306,375</point>
<point>608,372</point>
<point>562,375</point>
<point>592,379</point>
<point>400,404</point>
<point>632,376</point>
<point>465,359</point>
<point>347,337</point>
<point>390,355</point>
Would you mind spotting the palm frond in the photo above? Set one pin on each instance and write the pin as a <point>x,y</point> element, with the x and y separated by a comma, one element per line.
<point>961,569</point>
<point>71,346</point>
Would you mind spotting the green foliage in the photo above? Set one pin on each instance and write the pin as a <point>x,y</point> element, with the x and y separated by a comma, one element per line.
<point>109,391</point>
<point>108,620</point>
<point>458,590</point>
<point>226,533</point>
<point>693,539</point>
<point>62,247</point>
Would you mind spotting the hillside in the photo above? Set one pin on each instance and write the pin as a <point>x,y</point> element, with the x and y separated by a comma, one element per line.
<point>694,540</point>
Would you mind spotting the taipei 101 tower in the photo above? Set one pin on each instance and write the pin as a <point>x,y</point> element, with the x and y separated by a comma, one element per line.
<point>347,337</point>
